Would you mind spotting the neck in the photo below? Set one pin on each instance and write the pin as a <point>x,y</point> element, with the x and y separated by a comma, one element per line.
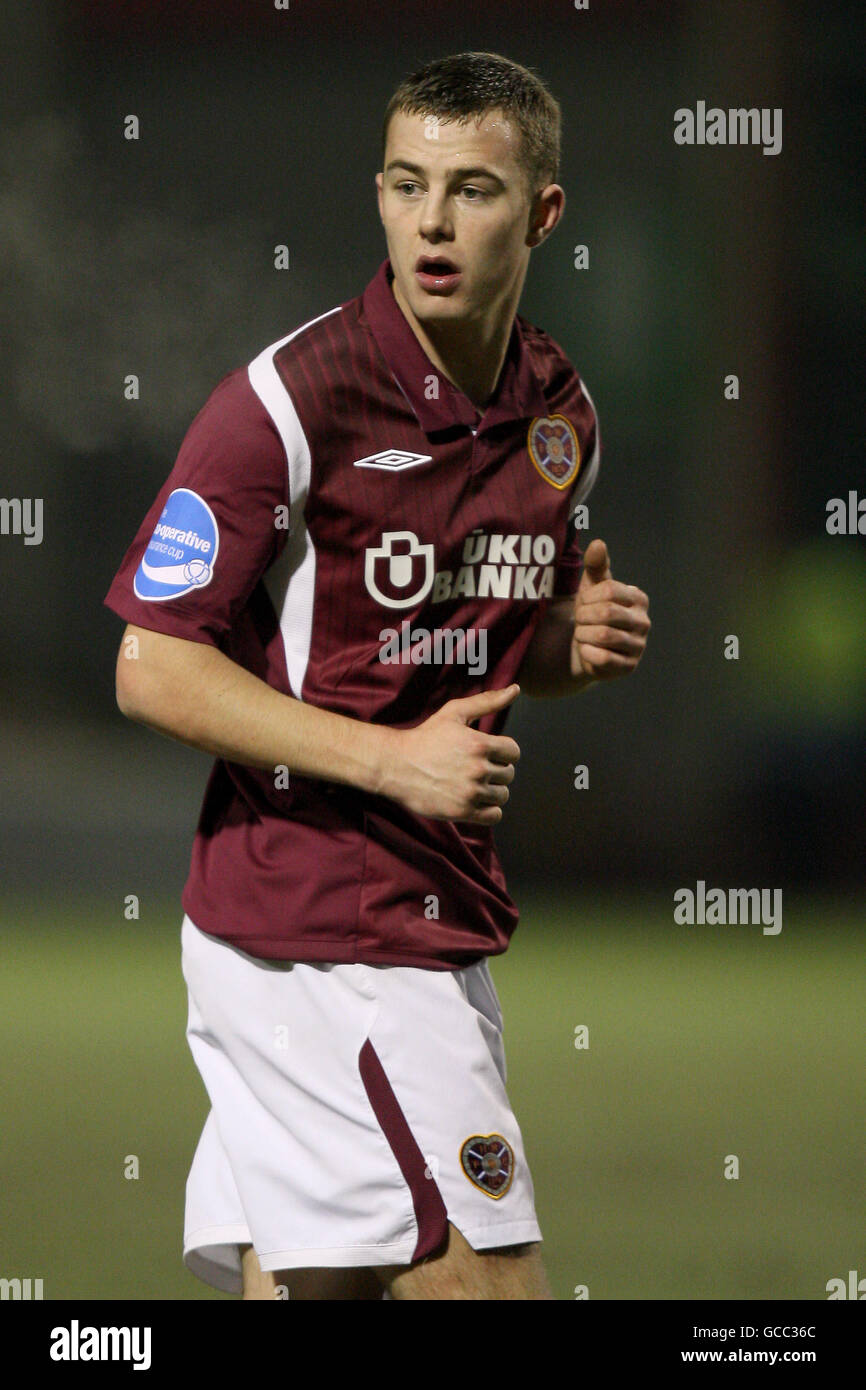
<point>468,354</point>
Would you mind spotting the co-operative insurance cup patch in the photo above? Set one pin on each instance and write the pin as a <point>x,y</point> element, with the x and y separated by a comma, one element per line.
<point>182,551</point>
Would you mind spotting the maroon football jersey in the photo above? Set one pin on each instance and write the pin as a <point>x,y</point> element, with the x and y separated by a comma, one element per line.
<point>343,522</point>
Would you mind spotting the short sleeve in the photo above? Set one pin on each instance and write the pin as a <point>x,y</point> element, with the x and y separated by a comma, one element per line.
<point>215,526</point>
<point>571,561</point>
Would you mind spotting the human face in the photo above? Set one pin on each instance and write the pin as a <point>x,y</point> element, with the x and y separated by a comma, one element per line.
<point>455,192</point>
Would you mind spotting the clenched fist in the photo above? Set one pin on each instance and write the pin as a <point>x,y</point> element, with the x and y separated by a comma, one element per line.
<point>611,621</point>
<point>446,769</point>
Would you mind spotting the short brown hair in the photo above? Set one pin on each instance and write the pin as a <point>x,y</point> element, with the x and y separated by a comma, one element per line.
<point>468,85</point>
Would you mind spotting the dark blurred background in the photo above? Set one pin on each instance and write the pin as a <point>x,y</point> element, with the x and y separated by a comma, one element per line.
<point>155,257</point>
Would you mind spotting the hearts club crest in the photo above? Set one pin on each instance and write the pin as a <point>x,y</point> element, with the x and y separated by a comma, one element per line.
<point>488,1162</point>
<point>554,449</point>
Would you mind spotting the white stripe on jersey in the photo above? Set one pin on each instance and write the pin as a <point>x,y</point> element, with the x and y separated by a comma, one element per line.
<point>291,580</point>
<point>590,472</point>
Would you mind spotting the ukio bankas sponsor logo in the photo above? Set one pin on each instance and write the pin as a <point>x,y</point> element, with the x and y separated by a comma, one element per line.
<point>402,571</point>
<point>399,572</point>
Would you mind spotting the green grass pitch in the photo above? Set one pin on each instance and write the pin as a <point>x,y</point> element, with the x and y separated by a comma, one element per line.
<point>704,1042</point>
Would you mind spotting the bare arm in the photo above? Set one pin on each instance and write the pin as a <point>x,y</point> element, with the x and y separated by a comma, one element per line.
<point>192,692</point>
<point>546,670</point>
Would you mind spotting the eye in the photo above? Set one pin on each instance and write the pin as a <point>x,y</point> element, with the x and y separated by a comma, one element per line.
<point>406,183</point>
<point>479,191</point>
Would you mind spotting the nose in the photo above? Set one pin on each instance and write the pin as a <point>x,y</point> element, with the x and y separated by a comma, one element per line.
<point>435,220</point>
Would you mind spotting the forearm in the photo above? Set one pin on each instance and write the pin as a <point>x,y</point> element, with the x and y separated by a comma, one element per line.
<point>547,671</point>
<point>204,699</point>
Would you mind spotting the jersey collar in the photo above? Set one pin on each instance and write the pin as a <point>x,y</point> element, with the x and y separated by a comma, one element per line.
<point>518,395</point>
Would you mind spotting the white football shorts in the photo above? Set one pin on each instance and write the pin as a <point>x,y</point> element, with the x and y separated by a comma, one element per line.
<point>355,1110</point>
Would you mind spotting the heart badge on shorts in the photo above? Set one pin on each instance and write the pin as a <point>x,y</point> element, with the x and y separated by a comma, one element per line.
<point>488,1162</point>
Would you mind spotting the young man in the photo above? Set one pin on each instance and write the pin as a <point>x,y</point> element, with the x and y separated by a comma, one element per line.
<point>365,541</point>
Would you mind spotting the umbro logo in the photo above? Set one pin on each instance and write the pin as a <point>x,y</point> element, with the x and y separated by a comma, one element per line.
<point>393,459</point>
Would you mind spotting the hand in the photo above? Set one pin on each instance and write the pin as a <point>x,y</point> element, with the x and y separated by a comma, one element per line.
<point>611,621</point>
<point>449,771</point>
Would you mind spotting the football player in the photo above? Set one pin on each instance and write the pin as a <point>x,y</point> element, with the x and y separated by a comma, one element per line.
<point>365,550</point>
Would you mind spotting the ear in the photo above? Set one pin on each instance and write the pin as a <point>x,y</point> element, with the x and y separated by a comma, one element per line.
<point>548,206</point>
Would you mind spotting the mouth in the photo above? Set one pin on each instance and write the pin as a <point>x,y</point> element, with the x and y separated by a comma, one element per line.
<point>437,274</point>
